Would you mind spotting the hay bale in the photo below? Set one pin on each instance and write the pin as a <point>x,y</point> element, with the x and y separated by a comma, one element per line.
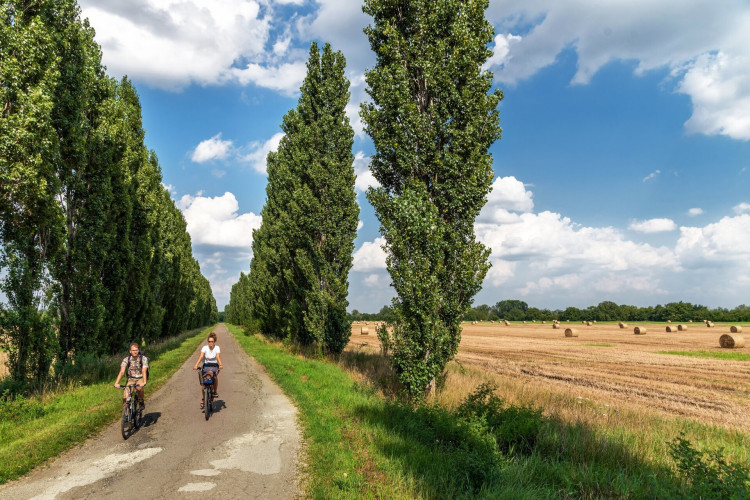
<point>507,323</point>
<point>544,322</point>
<point>524,322</point>
<point>364,331</point>
<point>728,341</point>
<point>735,329</point>
<point>555,325</point>
<point>690,321</point>
<point>639,330</point>
<point>622,325</point>
<point>669,321</point>
<point>671,329</point>
<point>682,328</point>
<point>588,323</point>
<point>570,332</point>
<point>709,324</point>
<point>473,322</point>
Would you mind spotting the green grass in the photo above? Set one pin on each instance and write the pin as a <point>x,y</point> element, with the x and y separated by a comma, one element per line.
<point>598,345</point>
<point>727,355</point>
<point>36,429</point>
<point>363,445</point>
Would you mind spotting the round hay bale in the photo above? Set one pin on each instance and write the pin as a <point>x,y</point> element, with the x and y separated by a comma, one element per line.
<point>639,330</point>
<point>555,325</point>
<point>583,322</point>
<point>623,325</point>
<point>588,323</point>
<point>682,328</point>
<point>570,332</point>
<point>473,322</point>
<point>669,321</point>
<point>709,324</point>
<point>735,329</point>
<point>567,321</point>
<point>671,329</point>
<point>524,322</point>
<point>690,321</point>
<point>544,322</point>
<point>728,341</point>
<point>364,331</point>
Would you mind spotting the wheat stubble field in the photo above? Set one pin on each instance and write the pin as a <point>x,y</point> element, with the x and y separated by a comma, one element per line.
<point>607,369</point>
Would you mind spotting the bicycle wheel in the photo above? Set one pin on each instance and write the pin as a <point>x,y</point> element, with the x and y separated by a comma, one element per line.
<point>125,424</point>
<point>207,401</point>
<point>136,414</point>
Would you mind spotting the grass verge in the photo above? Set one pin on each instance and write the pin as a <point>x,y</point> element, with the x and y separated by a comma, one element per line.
<point>361,444</point>
<point>36,429</point>
<point>726,355</point>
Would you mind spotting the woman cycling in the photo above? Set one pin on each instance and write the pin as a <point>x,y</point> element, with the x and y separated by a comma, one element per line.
<point>211,357</point>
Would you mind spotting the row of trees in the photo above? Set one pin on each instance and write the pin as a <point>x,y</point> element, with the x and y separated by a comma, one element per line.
<point>302,251</point>
<point>432,119</point>
<point>94,252</point>
<point>517,310</point>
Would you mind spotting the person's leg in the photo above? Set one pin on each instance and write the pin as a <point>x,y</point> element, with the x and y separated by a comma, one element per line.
<point>216,384</point>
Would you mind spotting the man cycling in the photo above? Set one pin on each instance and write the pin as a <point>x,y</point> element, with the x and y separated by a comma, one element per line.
<point>136,365</point>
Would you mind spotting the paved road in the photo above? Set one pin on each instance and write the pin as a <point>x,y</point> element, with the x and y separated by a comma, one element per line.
<point>247,449</point>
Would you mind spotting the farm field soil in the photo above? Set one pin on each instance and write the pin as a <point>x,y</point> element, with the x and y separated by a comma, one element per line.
<point>610,365</point>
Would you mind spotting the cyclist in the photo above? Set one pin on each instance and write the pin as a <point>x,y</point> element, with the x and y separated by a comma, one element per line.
<point>136,365</point>
<point>211,357</point>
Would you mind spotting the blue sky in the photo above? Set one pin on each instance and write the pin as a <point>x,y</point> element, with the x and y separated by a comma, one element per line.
<point>622,173</point>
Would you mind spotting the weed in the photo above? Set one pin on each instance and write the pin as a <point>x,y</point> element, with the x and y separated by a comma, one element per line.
<point>708,475</point>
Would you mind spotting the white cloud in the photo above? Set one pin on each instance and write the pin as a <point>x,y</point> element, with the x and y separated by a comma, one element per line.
<point>653,226</point>
<point>706,45</point>
<point>360,224</point>
<point>693,212</point>
<point>172,43</point>
<point>651,175</point>
<point>170,189</point>
<point>212,149</point>
<point>725,241</point>
<point>215,221</point>
<point>259,151</point>
<point>364,179</point>
<point>742,208</point>
<point>508,194</point>
<point>285,78</point>
<point>370,256</point>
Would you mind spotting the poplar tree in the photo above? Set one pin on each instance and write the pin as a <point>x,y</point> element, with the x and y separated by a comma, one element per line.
<point>303,251</point>
<point>432,119</point>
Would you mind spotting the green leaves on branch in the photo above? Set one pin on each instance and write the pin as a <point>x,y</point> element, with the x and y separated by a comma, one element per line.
<point>302,252</point>
<point>432,119</point>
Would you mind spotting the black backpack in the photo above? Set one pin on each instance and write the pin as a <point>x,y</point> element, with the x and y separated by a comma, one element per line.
<point>148,368</point>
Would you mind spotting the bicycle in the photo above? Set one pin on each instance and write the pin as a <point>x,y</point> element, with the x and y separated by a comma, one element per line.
<point>132,413</point>
<point>208,391</point>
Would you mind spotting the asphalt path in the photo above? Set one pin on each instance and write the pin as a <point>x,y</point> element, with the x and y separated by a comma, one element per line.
<point>248,448</point>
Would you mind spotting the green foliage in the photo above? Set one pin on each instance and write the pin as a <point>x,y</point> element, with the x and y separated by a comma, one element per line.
<point>728,355</point>
<point>94,253</point>
<point>708,474</point>
<point>302,252</point>
<point>515,429</point>
<point>432,122</point>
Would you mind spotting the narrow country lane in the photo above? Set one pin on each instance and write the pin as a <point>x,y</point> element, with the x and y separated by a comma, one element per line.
<point>247,449</point>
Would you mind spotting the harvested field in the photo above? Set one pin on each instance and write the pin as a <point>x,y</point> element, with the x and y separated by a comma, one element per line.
<point>612,366</point>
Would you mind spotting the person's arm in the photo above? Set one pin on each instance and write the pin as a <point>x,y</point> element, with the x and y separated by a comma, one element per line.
<point>119,376</point>
<point>144,373</point>
<point>218,358</point>
<point>200,358</point>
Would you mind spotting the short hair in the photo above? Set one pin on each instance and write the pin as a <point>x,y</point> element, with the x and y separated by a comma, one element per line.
<point>135,344</point>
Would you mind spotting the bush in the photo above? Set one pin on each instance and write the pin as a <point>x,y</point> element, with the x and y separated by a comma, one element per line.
<point>708,475</point>
<point>515,429</point>
<point>19,409</point>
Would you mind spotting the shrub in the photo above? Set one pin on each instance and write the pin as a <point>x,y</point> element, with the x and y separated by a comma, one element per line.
<point>707,474</point>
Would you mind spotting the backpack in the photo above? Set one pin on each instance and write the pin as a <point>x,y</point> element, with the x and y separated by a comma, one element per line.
<point>148,368</point>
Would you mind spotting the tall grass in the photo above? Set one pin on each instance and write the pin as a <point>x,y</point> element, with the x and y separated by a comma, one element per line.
<point>727,355</point>
<point>78,403</point>
<point>478,439</point>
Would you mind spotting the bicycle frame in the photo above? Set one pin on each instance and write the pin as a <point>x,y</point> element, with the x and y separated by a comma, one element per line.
<point>131,413</point>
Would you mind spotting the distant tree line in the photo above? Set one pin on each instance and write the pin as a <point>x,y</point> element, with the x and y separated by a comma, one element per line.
<point>518,310</point>
<point>94,253</point>
<point>298,282</point>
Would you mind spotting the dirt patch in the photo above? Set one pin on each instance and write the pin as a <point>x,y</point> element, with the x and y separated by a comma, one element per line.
<point>611,365</point>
